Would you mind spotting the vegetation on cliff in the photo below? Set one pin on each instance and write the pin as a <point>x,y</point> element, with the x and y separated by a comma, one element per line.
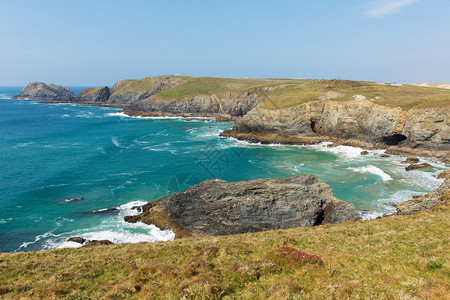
<point>395,257</point>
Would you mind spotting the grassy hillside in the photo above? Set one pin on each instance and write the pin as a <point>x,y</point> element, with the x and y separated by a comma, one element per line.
<point>193,86</point>
<point>404,96</point>
<point>140,85</point>
<point>397,257</point>
<point>292,92</point>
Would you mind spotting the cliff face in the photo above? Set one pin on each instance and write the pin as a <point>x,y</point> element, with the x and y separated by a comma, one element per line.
<point>42,91</point>
<point>94,95</point>
<point>218,207</point>
<point>203,105</point>
<point>131,91</point>
<point>287,111</point>
<point>360,119</point>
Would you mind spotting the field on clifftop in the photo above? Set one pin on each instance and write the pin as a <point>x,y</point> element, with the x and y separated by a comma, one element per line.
<point>292,92</point>
<point>396,257</point>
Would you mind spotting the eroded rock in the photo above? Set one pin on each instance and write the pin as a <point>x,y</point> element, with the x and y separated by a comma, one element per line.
<point>94,95</point>
<point>217,207</point>
<point>439,196</point>
<point>422,166</point>
<point>42,91</point>
<point>77,239</point>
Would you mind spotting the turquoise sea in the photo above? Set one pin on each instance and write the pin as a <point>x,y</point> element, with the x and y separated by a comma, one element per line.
<point>75,170</point>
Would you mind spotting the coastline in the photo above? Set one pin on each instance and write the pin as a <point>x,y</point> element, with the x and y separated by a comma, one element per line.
<point>253,135</point>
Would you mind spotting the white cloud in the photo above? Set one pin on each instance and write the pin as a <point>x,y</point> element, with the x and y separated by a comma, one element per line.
<point>380,8</point>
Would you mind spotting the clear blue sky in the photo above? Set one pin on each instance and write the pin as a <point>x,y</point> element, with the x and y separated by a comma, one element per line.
<point>99,42</point>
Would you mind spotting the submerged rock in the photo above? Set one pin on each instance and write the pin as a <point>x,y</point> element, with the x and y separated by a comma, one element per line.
<point>42,91</point>
<point>76,199</point>
<point>217,207</point>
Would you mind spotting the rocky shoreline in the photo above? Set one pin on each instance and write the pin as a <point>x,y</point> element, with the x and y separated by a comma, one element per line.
<point>359,122</point>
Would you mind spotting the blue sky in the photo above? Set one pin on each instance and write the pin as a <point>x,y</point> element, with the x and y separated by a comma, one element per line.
<point>100,42</point>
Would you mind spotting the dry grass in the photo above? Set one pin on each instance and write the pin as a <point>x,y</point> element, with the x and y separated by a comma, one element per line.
<point>194,86</point>
<point>397,257</point>
<point>405,96</point>
<point>140,85</point>
<point>293,92</point>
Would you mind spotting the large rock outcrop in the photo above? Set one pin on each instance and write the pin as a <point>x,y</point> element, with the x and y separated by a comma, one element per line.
<point>42,91</point>
<point>217,207</point>
<point>94,95</point>
<point>360,119</point>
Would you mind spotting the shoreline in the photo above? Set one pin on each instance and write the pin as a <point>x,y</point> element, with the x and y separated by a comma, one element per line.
<point>271,138</point>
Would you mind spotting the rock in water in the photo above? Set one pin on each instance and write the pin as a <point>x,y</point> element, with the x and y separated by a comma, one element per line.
<point>217,207</point>
<point>439,196</point>
<point>77,239</point>
<point>422,166</point>
<point>42,91</point>
<point>94,95</point>
<point>97,243</point>
<point>412,160</point>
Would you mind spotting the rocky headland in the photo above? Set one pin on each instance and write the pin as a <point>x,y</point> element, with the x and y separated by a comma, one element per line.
<point>217,207</point>
<point>403,119</point>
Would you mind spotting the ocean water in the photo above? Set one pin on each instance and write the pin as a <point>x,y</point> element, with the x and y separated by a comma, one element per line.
<point>75,170</point>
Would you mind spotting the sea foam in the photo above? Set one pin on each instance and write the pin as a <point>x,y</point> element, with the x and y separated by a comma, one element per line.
<point>373,170</point>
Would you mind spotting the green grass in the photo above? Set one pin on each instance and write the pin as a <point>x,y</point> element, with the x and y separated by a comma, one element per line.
<point>89,91</point>
<point>404,96</point>
<point>140,85</point>
<point>393,258</point>
<point>195,86</point>
<point>293,92</point>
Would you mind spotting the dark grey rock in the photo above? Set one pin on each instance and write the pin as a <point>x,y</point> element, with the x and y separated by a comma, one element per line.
<point>77,239</point>
<point>94,95</point>
<point>217,207</point>
<point>97,243</point>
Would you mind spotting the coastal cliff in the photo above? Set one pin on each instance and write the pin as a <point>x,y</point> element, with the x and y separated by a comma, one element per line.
<point>94,95</point>
<point>360,120</point>
<point>217,207</point>
<point>404,119</point>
